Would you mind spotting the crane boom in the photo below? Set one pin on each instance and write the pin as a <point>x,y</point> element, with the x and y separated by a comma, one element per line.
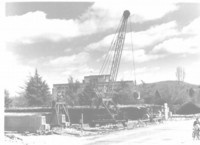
<point>118,47</point>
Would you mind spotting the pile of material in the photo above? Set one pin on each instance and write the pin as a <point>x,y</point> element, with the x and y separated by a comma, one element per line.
<point>189,108</point>
<point>12,140</point>
<point>77,130</point>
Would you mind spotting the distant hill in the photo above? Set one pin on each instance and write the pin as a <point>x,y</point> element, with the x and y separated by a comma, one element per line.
<point>171,92</point>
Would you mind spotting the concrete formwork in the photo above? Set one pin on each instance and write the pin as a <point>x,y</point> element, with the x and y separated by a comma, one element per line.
<point>25,122</point>
<point>132,112</point>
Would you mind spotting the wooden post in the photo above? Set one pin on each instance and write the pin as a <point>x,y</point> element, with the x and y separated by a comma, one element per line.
<point>166,109</point>
<point>82,123</point>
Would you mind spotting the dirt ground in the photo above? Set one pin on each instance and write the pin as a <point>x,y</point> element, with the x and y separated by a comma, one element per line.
<point>170,132</point>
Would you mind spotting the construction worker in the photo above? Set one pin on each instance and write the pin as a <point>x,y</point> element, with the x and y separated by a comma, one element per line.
<point>196,123</point>
<point>196,129</point>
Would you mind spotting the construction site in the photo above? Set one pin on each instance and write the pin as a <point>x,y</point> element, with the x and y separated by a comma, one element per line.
<point>104,122</point>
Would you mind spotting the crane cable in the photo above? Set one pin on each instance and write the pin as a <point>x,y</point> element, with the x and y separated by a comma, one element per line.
<point>134,72</point>
<point>108,60</point>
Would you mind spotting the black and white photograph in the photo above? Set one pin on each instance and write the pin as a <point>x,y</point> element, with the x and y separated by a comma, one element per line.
<point>97,72</point>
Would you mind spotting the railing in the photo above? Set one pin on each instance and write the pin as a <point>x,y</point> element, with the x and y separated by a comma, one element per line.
<point>186,116</point>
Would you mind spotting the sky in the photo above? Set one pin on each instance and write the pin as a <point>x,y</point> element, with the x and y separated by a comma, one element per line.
<point>63,39</point>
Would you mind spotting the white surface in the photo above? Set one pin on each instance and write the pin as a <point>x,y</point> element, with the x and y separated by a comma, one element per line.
<point>173,132</point>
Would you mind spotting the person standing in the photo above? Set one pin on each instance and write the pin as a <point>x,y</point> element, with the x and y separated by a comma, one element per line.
<point>196,129</point>
<point>196,122</point>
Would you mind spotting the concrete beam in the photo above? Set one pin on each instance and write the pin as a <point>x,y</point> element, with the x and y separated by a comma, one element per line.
<point>24,122</point>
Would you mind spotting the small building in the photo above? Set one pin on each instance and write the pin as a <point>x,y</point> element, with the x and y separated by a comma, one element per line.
<point>93,79</point>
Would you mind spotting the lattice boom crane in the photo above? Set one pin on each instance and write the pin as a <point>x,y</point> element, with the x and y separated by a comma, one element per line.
<point>113,56</point>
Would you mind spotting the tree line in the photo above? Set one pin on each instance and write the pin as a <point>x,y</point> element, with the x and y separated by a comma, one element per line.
<point>36,93</point>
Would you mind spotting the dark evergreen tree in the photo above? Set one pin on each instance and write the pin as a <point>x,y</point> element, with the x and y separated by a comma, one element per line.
<point>7,99</point>
<point>72,94</point>
<point>191,92</point>
<point>158,99</point>
<point>198,98</point>
<point>88,96</point>
<point>37,91</point>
